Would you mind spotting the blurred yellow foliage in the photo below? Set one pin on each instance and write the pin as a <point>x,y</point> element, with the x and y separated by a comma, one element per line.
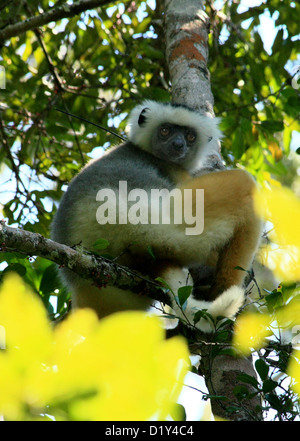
<point>281,207</point>
<point>294,371</point>
<point>119,368</point>
<point>289,315</point>
<point>250,332</point>
<point>276,150</point>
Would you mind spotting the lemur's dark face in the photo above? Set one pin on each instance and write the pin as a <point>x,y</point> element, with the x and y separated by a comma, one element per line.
<point>173,143</point>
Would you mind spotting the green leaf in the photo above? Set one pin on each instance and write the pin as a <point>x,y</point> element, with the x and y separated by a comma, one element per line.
<point>240,269</point>
<point>237,145</point>
<point>202,314</point>
<point>178,413</point>
<point>277,45</point>
<point>15,267</point>
<point>274,300</point>
<point>274,401</point>
<point>100,244</point>
<point>151,252</point>
<point>49,280</point>
<point>248,379</point>
<point>164,283</point>
<point>227,122</point>
<point>269,385</point>
<point>183,294</point>
<point>262,368</point>
<point>241,392</point>
<point>272,126</point>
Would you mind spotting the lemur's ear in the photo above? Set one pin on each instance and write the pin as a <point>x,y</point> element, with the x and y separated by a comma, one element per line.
<point>142,117</point>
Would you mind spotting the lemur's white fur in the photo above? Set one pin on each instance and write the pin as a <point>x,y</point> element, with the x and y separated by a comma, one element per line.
<point>225,305</point>
<point>155,113</point>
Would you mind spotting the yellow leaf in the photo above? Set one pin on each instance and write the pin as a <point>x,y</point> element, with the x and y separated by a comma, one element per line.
<point>284,261</point>
<point>28,342</point>
<point>294,371</point>
<point>140,374</point>
<point>288,316</point>
<point>24,319</point>
<point>275,150</point>
<point>269,180</point>
<point>250,332</point>
<point>28,48</point>
<point>119,368</point>
<point>38,55</point>
<point>281,207</point>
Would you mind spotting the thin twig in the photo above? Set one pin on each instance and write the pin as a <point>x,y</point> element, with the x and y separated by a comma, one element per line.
<point>53,14</point>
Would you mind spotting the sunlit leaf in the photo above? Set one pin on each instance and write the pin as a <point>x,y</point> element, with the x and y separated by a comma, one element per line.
<point>281,207</point>
<point>294,371</point>
<point>250,332</point>
<point>119,368</point>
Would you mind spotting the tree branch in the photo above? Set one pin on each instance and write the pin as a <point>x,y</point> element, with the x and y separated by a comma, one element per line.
<point>99,270</point>
<point>54,14</point>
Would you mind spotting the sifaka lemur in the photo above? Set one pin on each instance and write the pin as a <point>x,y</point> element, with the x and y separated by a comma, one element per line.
<point>120,197</point>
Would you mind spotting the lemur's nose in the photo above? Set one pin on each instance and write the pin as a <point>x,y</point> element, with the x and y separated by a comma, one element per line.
<point>178,143</point>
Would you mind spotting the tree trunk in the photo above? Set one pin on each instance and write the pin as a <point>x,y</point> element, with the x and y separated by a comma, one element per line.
<point>186,29</point>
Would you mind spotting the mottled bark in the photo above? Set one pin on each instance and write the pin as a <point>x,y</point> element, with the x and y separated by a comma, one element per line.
<point>186,29</point>
<point>99,270</point>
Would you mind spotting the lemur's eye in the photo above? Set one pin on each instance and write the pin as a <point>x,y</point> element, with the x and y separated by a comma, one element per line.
<point>164,131</point>
<point>191,137</point>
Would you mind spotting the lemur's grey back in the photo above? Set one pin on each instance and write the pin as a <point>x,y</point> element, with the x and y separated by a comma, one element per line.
<point>124,163</point>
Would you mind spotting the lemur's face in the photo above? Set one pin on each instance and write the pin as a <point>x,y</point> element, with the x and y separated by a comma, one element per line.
<point>173,143</point>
